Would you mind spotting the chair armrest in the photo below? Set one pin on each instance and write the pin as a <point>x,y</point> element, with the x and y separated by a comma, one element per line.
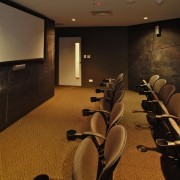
<point>72,136</point>
<point>141,86</point>
<point>167,116</point>
<point>88,112</point>
<point>92,134</point>
<point>144,81</point>
<point>153,101</point>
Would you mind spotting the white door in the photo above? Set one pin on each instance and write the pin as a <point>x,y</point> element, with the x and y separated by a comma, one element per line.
<point>70,61</point>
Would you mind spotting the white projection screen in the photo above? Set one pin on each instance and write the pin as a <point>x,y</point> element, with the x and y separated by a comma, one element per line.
<point>21,35</point>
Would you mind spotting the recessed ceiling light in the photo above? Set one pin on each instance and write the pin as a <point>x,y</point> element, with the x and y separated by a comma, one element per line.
<point>145,18</point>
<point>73,19</point>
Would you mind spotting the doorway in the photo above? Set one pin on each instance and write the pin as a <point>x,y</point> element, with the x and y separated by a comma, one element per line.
<point>70,61</point>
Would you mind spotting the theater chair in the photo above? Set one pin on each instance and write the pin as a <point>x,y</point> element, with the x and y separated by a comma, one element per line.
<point>166,92</point>
<point>89,165</point>
<point>106,103</point>
<point>153,94</point>
<point>164,95</point>
<point>108,93</point>
<point>147,85</point>
<point>158,85</point>
<point>169,123</point>
<point>110,83</point>
<point>101,123</point>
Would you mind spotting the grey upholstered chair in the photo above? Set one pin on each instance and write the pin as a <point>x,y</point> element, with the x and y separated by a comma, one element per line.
<point>88,165</point>
<point>164,95</point>
<point>158,85</point>
<point>112,87</point>
<point>153,79</point>
<point>166,92</point>
<point>173,106</point>
<point>147,85</point>
<point>107,104</point>
<point>100,123</point>
<point>111,83</point>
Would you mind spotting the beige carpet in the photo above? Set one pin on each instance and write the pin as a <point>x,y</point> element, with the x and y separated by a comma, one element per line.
<point>37,143</point>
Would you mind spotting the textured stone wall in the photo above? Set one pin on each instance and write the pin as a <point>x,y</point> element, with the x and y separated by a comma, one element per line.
<point>151,54</point>
<point>23,90</point>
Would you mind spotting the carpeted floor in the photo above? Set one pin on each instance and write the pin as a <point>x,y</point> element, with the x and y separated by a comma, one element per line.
<point>36,144</point>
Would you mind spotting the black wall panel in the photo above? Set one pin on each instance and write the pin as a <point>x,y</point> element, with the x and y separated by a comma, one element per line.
<point>3,108</point>
<point>3,77</point>
<point>22,98</point>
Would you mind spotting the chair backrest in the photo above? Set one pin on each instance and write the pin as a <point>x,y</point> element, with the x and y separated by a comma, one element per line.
<point>174,105</point>
<point>86,164</point>
<point>153,79</point>
<point>108,104</point>
<point>119,78</point>
<point>114,147</point>
<point>86,158</point>
<point>118,96</point>
<point>116,114</point>
<point>98,125</point>
<point>166,92</point>
<point>158,85</point>
<point>112,85</point>
<point>98,122</point>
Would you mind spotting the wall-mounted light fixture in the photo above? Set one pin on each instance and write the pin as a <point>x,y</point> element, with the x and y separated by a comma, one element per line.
<point>157,31</point>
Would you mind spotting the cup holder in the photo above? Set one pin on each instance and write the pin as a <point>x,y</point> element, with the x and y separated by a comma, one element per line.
<point>93,99</point>
<point>85,112</point>
<point>102,84</point>
<point>42,177</point>
<point>70,134</point>
<point>98,90</point>
<point>162,142</point>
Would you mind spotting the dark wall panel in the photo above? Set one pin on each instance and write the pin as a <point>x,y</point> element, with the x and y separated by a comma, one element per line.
<point>151,54</point>
<point>3,108</point>
<point>108,47</point>
<point>3,77</point>
<point>46,69</point>
<point>45,86</point>
<point>15,77</point>
<point>21,99</point>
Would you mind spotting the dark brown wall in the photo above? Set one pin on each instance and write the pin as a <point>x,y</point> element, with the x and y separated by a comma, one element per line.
<point>108,47</point>
<point>151,54</point>
<point>23,90</point>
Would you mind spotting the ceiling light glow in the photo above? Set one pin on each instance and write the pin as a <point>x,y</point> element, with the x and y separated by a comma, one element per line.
<point>73,20</point>
<point>145,18</point>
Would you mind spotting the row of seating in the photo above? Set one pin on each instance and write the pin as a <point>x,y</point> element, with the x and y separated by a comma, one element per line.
<point>162,106</point>
<point>101,148</point>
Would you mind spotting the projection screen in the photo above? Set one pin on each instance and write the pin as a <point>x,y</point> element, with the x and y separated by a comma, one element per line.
<point>21,35</point>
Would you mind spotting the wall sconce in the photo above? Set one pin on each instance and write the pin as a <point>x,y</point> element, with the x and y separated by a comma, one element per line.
<point>157,31</point>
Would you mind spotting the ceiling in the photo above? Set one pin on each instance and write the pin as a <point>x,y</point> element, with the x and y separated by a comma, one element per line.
<point>121,12</point>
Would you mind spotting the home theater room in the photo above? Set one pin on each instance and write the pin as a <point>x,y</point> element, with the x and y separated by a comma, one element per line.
<point>89,90</point>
